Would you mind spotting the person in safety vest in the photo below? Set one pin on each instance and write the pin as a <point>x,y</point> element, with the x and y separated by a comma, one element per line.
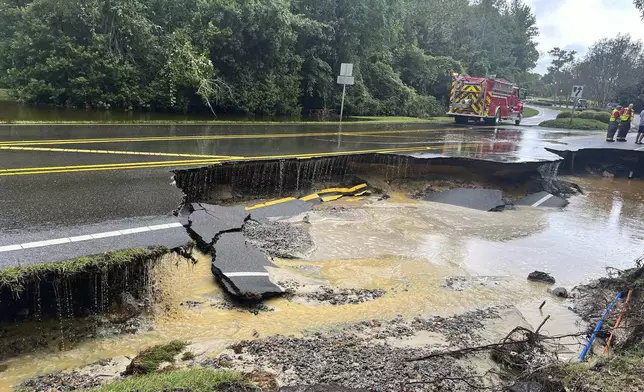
<point>626,118</point>
<point>613,123</point>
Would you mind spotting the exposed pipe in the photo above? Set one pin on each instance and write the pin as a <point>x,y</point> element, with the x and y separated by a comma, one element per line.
<point>599,326</point>
<point>618,323</point>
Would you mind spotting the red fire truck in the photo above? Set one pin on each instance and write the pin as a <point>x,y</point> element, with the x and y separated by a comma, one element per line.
<point>484,99</point>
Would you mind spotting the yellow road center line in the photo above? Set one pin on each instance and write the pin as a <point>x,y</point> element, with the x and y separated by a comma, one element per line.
<point>270,203</point>
<point>111,165</point>
<point>218,137</point>
<point>3,147</point>
<point>5,174</point>
<point>343,190</point>
<point>143,165</point>
<point>310,197</point>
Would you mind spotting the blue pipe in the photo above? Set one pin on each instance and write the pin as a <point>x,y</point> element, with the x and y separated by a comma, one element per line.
<point>599,326</point>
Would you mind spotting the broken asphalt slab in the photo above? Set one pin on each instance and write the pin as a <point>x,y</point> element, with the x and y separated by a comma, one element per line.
<point>478,199</point>
<point>242,267</point>
<point>207,221</point>
<point>239,266</point>
<point>542,199</point>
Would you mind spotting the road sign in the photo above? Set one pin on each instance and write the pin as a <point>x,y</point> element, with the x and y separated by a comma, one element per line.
<point>345,78</point>
<point>577,91</point>
<point>350,80</point>
<point>346,69</point>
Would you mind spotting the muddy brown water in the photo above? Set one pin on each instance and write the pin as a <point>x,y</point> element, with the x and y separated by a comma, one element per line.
<point>407,248</point>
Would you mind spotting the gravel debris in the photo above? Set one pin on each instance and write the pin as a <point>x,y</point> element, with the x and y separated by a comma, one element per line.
<point>279,239</point>
<point>62,381</point>
<point>329,295</point>
<point>359,356</point>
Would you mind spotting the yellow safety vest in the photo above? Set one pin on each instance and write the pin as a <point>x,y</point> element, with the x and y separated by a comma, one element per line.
<point>626,116</point>
<point>613,116</point>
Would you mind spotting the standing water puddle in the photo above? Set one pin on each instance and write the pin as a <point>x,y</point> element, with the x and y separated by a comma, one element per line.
<point>407,249</point>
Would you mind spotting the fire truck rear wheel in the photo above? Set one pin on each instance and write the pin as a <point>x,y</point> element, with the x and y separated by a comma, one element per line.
<point>461,119</point>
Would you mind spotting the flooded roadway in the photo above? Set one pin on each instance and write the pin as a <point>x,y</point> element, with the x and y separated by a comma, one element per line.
<point>60,176</point>
<point>110,172</point>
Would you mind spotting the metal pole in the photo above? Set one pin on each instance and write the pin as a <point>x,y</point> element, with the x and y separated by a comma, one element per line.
<point>572,114</point>
<point>344,92</point>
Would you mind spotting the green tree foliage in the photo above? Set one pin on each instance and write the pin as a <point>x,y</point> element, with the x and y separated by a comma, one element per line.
<point>264,57</point>
<point>611,64</point>
<point>611,70</point>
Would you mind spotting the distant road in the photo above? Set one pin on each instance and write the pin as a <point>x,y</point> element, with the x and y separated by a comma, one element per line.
<point>545,114</point>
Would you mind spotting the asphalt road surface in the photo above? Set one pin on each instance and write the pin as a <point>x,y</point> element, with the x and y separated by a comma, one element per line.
<point>65,181</point>
<point>545,114</point>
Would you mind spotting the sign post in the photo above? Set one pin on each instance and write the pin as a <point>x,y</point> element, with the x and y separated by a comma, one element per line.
<point>345,78</point>
<point>576,95</point>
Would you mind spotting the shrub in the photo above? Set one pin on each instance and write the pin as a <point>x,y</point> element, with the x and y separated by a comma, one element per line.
<point>587,114</point>
<point>603,117</point>
<point>577,123</point>
<point>564,114</point>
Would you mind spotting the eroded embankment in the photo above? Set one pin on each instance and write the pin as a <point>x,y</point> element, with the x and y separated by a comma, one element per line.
<point>239,181</point>
<point>621,163</point>
<point>74,293</point>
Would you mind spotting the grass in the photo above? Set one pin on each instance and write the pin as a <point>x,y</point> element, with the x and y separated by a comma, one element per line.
<point>529,112</point>
<point>16,278</point>
<point>148,360</point>
<point>360,120</point>
<point>188,356</point>
<point>577,123</point>
<point>194,380</point>
<point>621,373</point>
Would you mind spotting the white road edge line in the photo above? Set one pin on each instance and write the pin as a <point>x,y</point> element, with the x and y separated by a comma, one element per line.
<point>244,274</point>
<point>89,237</point>
<point>545,199</point>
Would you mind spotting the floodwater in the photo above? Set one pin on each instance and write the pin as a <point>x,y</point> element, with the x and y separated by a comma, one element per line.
<point>407,248</point>
<point>13,111</point>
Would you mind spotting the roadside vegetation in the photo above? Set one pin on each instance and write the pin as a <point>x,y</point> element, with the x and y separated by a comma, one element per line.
<point>530,112</point>
<point>603,117</point>
<point>258,57</point>
<point>15,279</point>
<point>193,380</point>
<point>577,123</point>
<point>612,71</point>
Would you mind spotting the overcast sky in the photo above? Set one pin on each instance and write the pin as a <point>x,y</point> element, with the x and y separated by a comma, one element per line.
<point>577,24</point>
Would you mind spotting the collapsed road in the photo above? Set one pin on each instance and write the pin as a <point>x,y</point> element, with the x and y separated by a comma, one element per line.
<point>120,197</point>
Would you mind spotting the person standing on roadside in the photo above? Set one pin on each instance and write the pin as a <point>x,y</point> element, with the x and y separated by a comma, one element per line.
<point>626,123</point>
<point>640,130</point>
<point>613,123</point>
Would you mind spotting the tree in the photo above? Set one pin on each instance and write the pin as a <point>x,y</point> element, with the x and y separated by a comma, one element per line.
<point>640,6</point>
<point>609,65</point>
<point>560,71</point>
<point>258,57</point>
